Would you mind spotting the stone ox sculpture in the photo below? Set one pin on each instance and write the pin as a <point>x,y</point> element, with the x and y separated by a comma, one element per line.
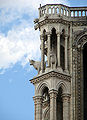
<point>36,65</point>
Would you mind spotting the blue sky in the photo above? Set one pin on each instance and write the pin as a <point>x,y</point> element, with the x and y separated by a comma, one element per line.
<point>19,42</point>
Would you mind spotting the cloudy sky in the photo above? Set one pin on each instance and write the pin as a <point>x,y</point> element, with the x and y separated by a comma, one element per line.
<point>18,43</point>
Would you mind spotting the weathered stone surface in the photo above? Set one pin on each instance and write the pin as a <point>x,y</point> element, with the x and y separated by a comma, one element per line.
<point>60,80</point>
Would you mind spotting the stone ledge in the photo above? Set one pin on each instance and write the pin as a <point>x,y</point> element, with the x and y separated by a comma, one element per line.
<point>50,74</point>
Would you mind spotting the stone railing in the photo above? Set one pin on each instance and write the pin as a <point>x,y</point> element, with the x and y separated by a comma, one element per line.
<point>78,11</point>
<point>62,10</point>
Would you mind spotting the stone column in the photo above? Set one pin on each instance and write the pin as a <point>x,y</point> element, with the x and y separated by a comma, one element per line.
<point>58,52</point>
<point>58,49</point>
<point>49,45</point>
<point>85,13</point>
<point>73,13</point>
<point>78,13</point>
<point>47,10</point>
<point>38,107</point>
<point>81,13</point>
<point>53,95</point>
<point>66,107</point>
<point>59,9</point>
<point>63,11</point>
<point>42,53</point>
<point>66,12</point>
<point>40,13</point>
<point>69,13</point>
<point>66,54</point>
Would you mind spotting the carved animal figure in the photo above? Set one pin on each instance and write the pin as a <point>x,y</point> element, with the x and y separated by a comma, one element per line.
<point>36,65</point>
<point>36,20</point>
<point>45,97</point>
<point>53,60</point>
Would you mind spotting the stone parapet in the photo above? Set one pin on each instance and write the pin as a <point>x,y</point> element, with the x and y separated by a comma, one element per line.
<point>62,10</point>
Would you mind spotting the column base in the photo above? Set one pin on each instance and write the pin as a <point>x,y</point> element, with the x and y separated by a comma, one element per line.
<point>59,69</point>
<point>47,69</point>
<point>42,71</point>
<point>66,71</point>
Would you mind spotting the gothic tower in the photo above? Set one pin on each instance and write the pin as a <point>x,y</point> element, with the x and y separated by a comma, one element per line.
<point>61,85</point>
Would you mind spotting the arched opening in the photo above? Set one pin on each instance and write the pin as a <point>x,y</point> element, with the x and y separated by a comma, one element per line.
<point>62,57</point>
<point>59,105</point>
<point>62,49</point>
<point>45,94</point>
<point>54,41</point>
<point>45,48</point>
<point>85,79</point>
<point>46,104</point>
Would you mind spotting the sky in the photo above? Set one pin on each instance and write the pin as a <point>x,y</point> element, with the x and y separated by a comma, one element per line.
<point>19,42</point>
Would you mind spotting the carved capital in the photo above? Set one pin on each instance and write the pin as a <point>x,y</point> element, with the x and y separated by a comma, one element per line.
<point>53,94</point>
<point>51,74</point>
<point>48,33</point>
<point>66,97</point>
<point>66,35</point>
<point>58,34</point>
<point>37,99</point>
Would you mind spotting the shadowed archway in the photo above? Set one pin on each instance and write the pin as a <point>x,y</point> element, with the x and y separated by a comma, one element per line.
<point>85,79</point>
<point>59,105</point>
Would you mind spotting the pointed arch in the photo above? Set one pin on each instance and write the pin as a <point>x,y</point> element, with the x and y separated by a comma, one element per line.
<point>59,104</point>
<point>62,49</point>
<point>53,28</point>
<point>80,39</point>
<point>64,87</point>
<point>41,87</point>
<point>54,41</point>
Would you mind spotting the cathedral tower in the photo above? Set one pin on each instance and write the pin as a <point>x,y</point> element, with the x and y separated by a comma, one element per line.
<point>60,86</point>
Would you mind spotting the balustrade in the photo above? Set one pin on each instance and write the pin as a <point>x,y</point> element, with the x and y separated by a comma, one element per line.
<point>59,9</point>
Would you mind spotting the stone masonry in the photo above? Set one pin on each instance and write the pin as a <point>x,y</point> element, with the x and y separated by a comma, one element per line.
<point>59,85</point>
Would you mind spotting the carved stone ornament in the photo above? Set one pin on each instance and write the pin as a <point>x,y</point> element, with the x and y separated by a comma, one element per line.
<point>50,74</point>
<point>60,20</point>
<point>77,35</point>
<point>77,71</point>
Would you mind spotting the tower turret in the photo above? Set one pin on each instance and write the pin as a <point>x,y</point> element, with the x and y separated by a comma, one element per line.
<point>60,83</point>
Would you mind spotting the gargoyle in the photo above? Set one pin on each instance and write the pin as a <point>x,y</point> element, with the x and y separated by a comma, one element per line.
<point>36,65</point>
<point>36,20</point>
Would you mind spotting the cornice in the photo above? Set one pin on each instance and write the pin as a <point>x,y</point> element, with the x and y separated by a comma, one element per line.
<point>62,21</point>
<point>50,74</point>
<point>77,37</point>
<point>48,21</point>
<point>79,23</point>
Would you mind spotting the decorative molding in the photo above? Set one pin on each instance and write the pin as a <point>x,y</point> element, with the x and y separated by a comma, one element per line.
<point>62,21</point>
<point>50,74</point>
<point>66,97</point>
<point>53,94</point>
<point>45,104</point>
<point>79,38</point>
<point>77,71</point>
<point>37,99</point>
<point>79,23</point>
<point>45,21</point>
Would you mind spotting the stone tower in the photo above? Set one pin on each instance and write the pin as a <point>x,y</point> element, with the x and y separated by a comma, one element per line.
<point>61,85</point>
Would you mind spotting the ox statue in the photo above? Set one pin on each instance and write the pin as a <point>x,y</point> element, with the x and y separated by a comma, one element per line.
<point>36,20</point>
<point>36,65</point>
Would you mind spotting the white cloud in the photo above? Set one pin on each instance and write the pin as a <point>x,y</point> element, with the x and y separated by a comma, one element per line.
<point>14,9</point>
<point>10,81</point>
<point>18,46</point>
<point>2,71</point>
<point>32,4</point>
<point>22,41</point>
